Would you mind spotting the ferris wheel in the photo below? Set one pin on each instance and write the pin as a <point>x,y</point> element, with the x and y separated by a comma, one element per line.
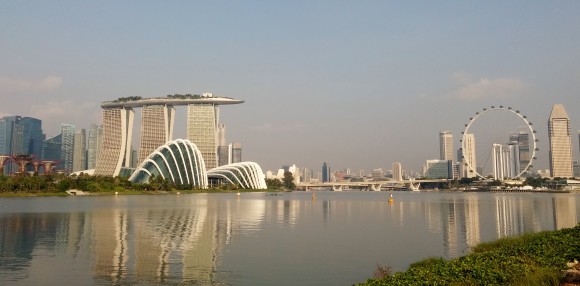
<point>498,139</point>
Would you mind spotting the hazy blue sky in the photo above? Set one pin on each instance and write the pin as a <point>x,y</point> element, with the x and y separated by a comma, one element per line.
<point>360,84</point>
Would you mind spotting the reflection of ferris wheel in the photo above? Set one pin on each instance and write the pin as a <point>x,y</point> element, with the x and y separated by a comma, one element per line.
<point>498,134</point>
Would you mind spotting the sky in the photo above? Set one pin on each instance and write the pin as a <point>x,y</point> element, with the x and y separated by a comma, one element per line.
<point>359,84</point>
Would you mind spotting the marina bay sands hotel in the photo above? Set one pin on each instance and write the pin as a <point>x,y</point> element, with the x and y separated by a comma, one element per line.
<point>157,120</point>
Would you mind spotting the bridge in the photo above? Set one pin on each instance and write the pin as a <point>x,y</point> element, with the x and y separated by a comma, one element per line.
<point>410,185</point>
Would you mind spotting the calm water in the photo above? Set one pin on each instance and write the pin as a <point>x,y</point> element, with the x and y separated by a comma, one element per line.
<point>220,239</point>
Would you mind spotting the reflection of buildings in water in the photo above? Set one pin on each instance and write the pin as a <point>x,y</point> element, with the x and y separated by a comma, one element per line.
<point>434,217</point>
<point>530,217</point>
<point>21,233</point>
<point>161,245</point>
<point>75,232</point>
<point>472,225</point>
<point>109,244</point>
<point>508,219</point>
<point>183,245</point>
<point>453,228</point>
<point>326,211</point>
<point>288,213</point>
<point>564,209</point>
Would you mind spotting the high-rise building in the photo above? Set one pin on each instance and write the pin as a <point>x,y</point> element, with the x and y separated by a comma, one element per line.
<point>307,175</point>
<point>223,150</point>
<point>51,148</point>
<point>80,151</point>
<point>67,146</point>
<point>576,169</point>
<point>560,143</point>
<point>221,134</point>
<point>446,145</point>
<point>397,171</point>
<point>116,142</point>
<point>95,136</point>
<point>156,128</point>
<point>224,155</point>
<point>325,172</point>
<point>468,156</point>
<point>20,135</point>
<point>236,152</point>
<point>229,154</point>
<point>506,160</point>
<point>523,140</point>
<point>439,169</point>
<point>201,130</point>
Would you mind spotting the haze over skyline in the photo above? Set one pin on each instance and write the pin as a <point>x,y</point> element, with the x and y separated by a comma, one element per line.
<point>359,85</point>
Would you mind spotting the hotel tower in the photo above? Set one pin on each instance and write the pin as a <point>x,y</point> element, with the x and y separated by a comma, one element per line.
<point>157,121</point>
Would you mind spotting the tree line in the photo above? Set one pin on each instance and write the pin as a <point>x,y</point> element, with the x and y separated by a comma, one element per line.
<point>56,183</point>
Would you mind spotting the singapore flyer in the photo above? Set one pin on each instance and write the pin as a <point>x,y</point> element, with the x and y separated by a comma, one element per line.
<point>498,142</point>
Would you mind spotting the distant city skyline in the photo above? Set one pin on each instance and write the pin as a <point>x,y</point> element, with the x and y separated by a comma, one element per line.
<point>358,85</point>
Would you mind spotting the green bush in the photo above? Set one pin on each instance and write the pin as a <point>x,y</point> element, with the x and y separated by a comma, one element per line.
<point>530,259</point>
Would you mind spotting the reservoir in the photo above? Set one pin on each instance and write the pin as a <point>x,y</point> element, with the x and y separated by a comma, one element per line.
<point>293,238</point>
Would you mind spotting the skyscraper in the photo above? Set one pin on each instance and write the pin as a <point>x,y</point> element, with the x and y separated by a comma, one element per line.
<point>446,145</point>
<point>51,149</point>
<point>307,175</point>
<point>523,140</point>
<point>560,143</point>
<point>116,145</point>
<point>223,150</point>
<point>201,131</point>
<point>224,155</point>
<point>95,135</point>
<point>20,135</point>
<point>439,169</point>
<point>397,172</point>
<point>67,146</point>
<point>325,172</point>
<point>468,156</point>
<point>156,128</point>
<point>236,152</point>
<point>80,151</point>
<point>221,134</point>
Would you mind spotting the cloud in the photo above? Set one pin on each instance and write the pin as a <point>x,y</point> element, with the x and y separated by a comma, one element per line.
<point>468,89</point>
<point>15,85</point>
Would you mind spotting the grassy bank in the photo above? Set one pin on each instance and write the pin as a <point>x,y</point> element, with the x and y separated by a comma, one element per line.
<point>531,259</point>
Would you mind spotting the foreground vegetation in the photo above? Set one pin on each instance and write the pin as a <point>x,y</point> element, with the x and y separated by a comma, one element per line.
<point>531,259</point>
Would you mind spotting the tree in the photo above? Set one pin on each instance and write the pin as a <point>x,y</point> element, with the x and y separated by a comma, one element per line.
<point>289,181</point>
<point>273,184</point>
<point>535,182</point>
<point>495,183</point>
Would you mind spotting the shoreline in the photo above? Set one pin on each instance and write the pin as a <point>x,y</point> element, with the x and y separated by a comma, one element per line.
<point>129,193</point>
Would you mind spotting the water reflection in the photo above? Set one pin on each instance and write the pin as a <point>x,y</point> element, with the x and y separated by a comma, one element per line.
<point>207,239</point>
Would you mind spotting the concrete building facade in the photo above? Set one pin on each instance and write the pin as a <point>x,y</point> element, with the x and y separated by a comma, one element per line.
<point>80,151</point>
<point>156,128</point>
<point>446,145</point>
<point>560,143</point>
